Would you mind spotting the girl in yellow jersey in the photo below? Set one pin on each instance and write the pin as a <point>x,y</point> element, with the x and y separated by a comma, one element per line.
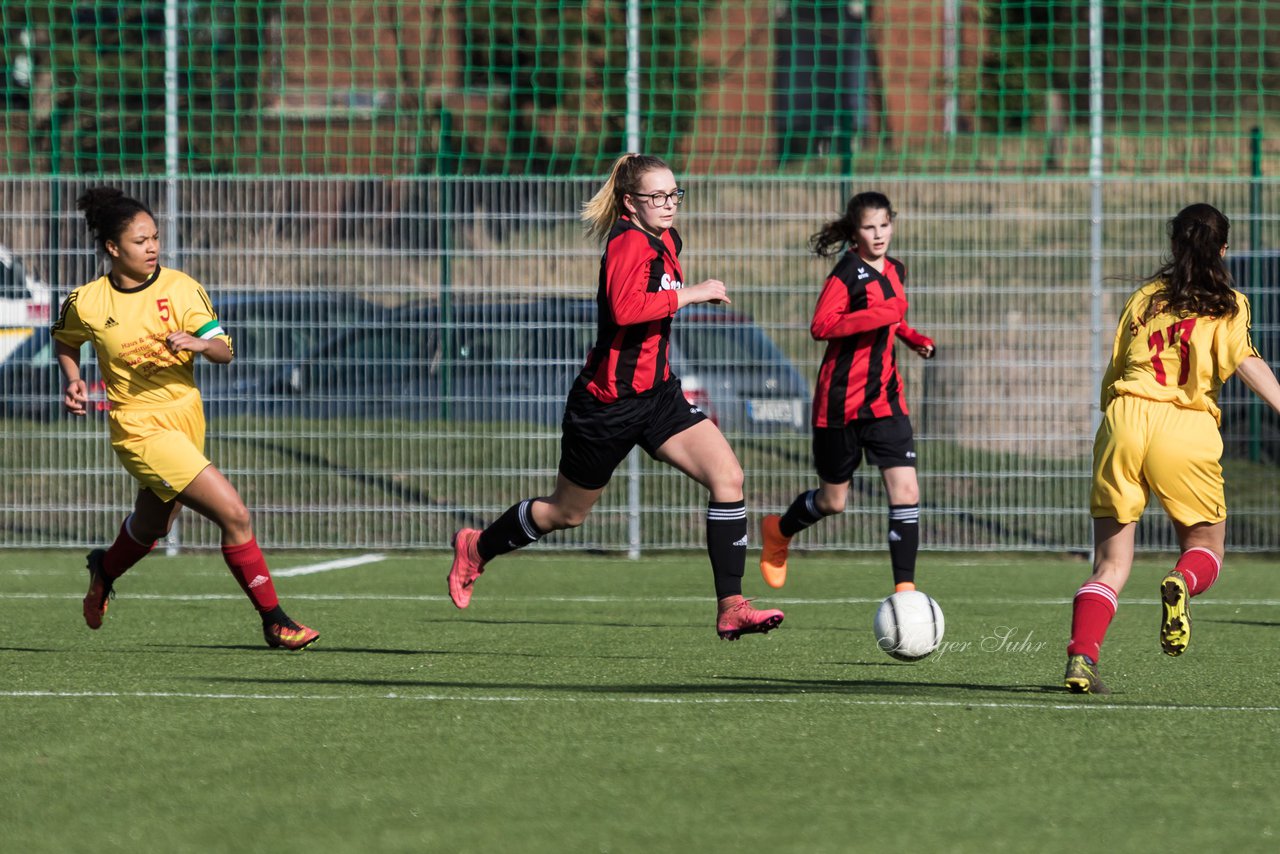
<point>147,325</point>
<point>1180,337</point>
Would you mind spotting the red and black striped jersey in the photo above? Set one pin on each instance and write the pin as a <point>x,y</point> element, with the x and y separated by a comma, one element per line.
<point>639,277</point>
<point>858,315</point>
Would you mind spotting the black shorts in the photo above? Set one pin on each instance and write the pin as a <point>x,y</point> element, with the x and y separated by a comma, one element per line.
<point>888,441</point>
<point>598,436</point>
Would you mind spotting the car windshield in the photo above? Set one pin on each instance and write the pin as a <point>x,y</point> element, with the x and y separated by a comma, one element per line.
<point>281,330</point>
<point>521,343</point>
<point>392,342</point>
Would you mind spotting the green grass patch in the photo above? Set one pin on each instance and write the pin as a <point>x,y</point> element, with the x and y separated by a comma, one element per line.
<point>585,704</point>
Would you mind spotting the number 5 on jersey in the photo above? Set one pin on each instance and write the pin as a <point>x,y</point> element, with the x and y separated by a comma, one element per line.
<point>166,312</point>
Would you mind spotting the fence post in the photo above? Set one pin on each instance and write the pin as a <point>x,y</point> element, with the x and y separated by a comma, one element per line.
<point>446,166</point>
<point>1255,279</point>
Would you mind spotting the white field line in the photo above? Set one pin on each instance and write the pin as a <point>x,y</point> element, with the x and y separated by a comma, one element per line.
<point>1083,706</point>
<point>308,569</point>
<point>670,600</point>
<point>341,563</point>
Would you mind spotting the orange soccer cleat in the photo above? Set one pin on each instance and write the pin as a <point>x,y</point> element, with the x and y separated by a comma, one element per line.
<point>466,568</point>
<point>290,636</point>
<point>773,552</point>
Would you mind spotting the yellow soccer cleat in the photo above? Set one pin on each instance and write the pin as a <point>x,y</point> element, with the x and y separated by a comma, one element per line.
<point>1082,676</point>
<point>1175,619</point>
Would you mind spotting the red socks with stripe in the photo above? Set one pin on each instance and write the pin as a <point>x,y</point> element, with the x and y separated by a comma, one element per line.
<point>1091,612</point>
<point>1095,603</point>
<point>1200,567</point>
<point>124,552</point>
<point>250,569</point>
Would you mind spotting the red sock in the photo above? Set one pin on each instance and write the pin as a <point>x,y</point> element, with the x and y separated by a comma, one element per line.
<point>1200,567</point>
<point>1091,613</point>
<point>250,569</point>
<point>124,552</point>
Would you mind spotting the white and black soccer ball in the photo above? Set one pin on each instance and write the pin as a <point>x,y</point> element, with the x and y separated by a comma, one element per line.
<point>909,625</point>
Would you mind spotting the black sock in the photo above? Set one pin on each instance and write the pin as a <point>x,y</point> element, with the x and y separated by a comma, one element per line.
<point>513,530</point>
<point>277,616</point>
<point>727,545</point>
<point>802,513</point>
<point>904,540</point>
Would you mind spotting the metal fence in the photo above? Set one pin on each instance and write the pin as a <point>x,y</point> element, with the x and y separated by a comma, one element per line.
<point>409,377</point>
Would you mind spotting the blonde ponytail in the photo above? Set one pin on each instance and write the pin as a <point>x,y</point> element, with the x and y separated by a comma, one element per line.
<point>602,210</point>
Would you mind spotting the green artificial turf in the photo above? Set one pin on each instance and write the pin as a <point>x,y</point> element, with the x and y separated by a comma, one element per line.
<point>584,703</point>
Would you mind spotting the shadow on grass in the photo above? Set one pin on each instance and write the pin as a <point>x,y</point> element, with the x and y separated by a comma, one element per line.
<point>746,686</point>
<point>1262,623</point>
<point>320,648</point>
<point>261,647</point>
<point>809,686</point>
<point>788,628</point>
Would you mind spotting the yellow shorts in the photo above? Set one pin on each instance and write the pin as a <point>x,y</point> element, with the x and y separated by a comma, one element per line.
<point>161,446</point>
<point>1144,446</point>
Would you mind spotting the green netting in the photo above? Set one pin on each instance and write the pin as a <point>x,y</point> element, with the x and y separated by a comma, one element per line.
<point>534,87</point>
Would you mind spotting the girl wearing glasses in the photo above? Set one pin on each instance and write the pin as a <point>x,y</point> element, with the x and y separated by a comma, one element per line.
<point>858,405</point>
<point>626,395</point>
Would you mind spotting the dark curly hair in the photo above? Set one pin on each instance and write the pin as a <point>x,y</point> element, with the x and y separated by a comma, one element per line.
<point>108,211</point>
<point>1193,278</point>
<point>834,235</point>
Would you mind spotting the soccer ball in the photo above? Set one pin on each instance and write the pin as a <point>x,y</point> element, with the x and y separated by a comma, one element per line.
<point>909,625</point>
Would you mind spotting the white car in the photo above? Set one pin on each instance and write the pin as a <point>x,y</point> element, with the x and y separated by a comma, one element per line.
<point>26,304</point>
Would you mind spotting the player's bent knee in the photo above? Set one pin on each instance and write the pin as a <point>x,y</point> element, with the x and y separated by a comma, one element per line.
<point>149,535</point>
<point>562,520</point>
<point>829,507</point>
<point>236,520</point>
<point>727,486</point>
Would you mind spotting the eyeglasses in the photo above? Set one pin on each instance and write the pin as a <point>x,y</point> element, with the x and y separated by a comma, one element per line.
<point>661,200</point>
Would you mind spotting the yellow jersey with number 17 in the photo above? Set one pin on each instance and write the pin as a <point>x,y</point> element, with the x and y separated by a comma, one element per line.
<point>128,329</point>
<point>1178,360</point>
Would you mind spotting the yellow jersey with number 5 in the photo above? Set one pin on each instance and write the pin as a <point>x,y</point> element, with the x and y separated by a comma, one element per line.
<point>1179,360</point>
<point>128,329</point>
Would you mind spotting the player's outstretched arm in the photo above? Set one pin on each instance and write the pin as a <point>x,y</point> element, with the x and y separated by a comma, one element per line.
<point>1258,376</point>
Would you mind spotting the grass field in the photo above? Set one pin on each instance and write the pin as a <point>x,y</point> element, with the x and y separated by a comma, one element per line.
<point>584,703</point>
